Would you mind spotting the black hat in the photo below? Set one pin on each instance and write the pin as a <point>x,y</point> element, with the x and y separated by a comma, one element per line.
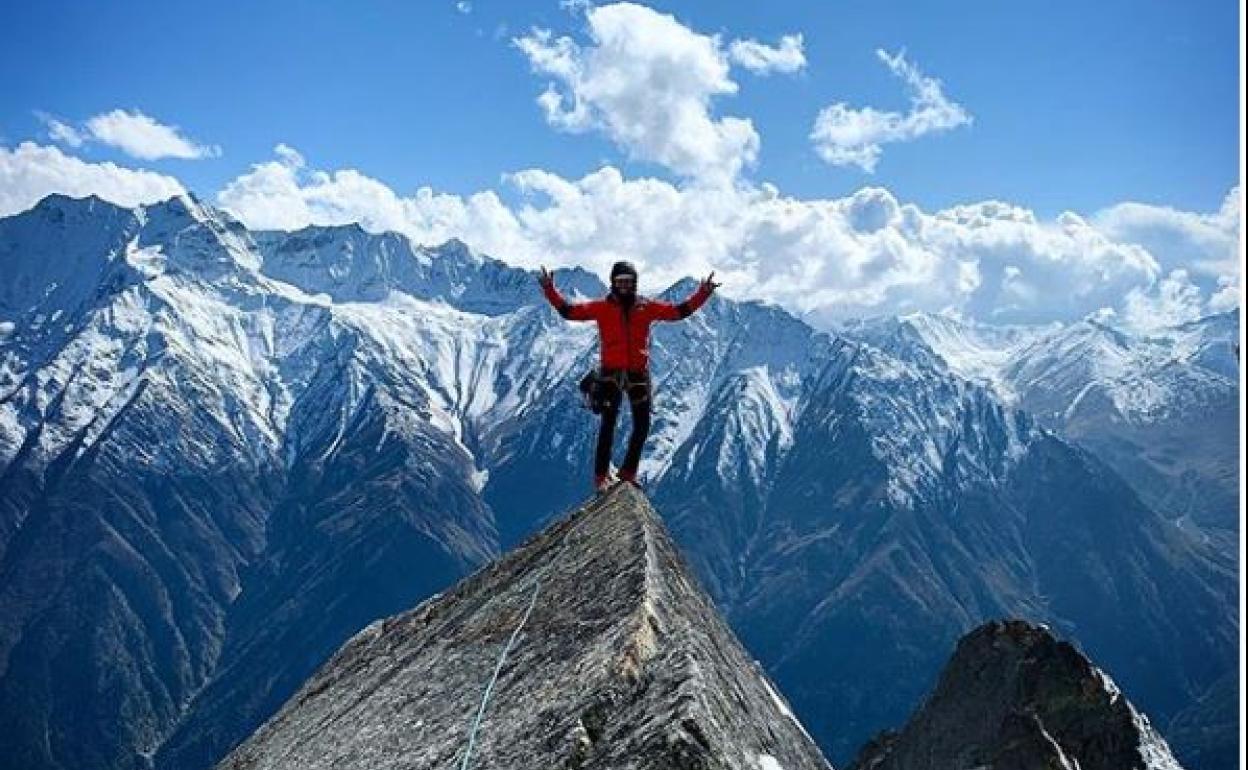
<point>623,268</point>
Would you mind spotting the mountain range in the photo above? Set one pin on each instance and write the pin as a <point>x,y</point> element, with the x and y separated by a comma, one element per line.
<point>224,452</point>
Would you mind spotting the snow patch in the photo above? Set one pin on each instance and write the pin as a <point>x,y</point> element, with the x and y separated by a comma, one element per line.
<point>768,762</point>
<point>780,702</point>
<point>479,479</point>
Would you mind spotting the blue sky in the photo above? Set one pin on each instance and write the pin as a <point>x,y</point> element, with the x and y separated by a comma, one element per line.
<point>1065,106</point>
<point>1076,105</point>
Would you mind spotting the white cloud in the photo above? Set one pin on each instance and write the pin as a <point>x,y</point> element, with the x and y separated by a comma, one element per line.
<point>284,194</point>
<point>845,135</point>
<point>1174,300</point>
<point>463,6</point>
<point>647,82</point>
<point>31,171</point>
<point>142,137</point>
<point>60,131</point>
<point>1228,296</point>
<point>763,59</point>
<point>1208,247</point>
<point>824,259</point>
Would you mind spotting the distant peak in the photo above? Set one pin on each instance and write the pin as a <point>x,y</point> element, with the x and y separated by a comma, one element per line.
<point>457,251</point>
<point>579,281</point>
<point>682,287</point>
<point>456,245</point>
<point>181,205</point>
<point>1014,695</point>
<point>928,318</point>
<point>62,199</point>
<point>63,202</point>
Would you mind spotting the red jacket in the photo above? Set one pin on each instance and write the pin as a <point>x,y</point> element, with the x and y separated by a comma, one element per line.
<point>625,333</point>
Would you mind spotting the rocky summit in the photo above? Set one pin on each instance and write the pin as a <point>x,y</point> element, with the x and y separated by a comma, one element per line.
<point>1014,697</point>
<point>591,645</point>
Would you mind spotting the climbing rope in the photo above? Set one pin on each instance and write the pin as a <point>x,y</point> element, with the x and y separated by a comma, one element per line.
<point>511,641</point>
<point>498,667</point>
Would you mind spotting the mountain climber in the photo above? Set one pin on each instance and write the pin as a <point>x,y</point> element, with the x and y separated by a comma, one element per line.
<point>624,319</point>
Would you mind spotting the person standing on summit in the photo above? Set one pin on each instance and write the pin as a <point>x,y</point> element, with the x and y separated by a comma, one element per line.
<point>624,319</point>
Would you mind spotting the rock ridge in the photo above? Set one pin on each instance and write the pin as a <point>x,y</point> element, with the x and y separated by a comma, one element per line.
<point>620,661</point>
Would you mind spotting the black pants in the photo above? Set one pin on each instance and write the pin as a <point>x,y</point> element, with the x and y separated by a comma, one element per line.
<point>618,383</point>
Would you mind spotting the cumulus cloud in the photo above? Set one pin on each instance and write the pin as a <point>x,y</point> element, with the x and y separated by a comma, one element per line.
<point>823,259</point>
<point>1228,296</point>
<point>762,59</point>
<point>284,194</point>
<point>30,171</point>
<point>61,132</point>
<point>850,136</point>
<point>132,132</point>
<point>647,82</point>
<point>1205,246</point>
<point>145,138</point>
<point>1172,301</point>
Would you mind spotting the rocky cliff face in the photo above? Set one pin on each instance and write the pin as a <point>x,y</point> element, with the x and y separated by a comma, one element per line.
<point>1014,697</point>
<point>607,655</point>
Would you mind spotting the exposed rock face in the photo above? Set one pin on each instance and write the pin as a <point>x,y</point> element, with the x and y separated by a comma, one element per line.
<point>1013,697</point>
<point>620,661</point>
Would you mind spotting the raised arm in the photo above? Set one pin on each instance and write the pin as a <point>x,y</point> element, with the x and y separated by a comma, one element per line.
<point>573,311</point>
<point>675,311</point>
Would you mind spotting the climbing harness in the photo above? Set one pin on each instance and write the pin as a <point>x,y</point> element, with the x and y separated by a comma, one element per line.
<point>593,392</point>
<point>596,394</point>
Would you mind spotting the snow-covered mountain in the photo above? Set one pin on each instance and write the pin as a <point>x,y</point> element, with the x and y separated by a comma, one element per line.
<point>1161,408</point>
<point>975,351</point>
<point>223,452</point>
<point>912,504</point>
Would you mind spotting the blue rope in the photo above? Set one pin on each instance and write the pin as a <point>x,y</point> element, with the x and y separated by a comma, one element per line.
<point>502,657</point>
<point>498,667</point>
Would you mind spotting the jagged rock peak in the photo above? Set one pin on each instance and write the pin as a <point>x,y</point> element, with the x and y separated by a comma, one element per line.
<point>1014,697</point>
<point>620,662</point>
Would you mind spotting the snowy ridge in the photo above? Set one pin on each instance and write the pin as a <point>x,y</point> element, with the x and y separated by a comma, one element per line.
<point>465,341</point>
<point>1161,409</point>
<point>928,427</point>
<point>1144,377</point>
<point>261,419</point>
<point>973,351</point>
<point>178,304</point>
<point>194,319</point>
